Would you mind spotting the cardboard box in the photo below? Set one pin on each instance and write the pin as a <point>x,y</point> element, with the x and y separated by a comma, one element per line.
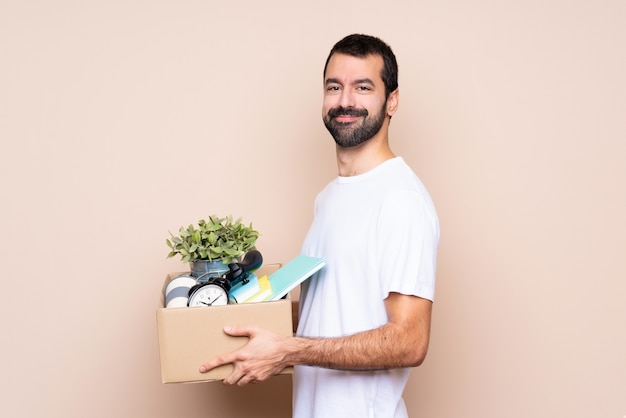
<point>189,337</point>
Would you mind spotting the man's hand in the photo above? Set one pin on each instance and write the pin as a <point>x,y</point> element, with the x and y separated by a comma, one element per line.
<point>259,359</point>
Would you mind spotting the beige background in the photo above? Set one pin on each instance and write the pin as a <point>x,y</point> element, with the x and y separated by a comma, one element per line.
<point>121,120</point>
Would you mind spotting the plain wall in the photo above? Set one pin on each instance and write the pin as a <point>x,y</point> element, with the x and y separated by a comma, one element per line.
<point>123,120</point>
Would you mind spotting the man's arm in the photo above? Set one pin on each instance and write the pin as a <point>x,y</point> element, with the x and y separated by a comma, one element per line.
<point>401,342</point>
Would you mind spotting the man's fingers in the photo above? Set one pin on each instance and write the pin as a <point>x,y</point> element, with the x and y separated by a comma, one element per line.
<point>216,362</point>
<point>238,377</point>
<point>233,331</point>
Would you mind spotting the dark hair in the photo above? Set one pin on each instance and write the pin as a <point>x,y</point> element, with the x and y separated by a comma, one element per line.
<point>358,45</point>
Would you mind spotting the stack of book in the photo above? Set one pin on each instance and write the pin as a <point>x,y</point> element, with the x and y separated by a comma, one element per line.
<point>276,285</point>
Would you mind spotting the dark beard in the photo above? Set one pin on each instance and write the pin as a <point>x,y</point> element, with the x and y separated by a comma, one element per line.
<point>348,135</point>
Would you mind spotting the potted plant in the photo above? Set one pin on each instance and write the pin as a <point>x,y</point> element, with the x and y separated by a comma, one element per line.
<point>212,244</point>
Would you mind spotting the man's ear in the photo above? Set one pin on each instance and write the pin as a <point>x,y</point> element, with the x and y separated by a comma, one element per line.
<point>392,102</point>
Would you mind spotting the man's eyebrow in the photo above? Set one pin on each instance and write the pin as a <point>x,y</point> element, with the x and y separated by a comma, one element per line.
<point>355,82</point>
<point>364,81</point>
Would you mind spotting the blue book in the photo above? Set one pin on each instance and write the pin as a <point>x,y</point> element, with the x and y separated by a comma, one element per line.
<point>286,278</point>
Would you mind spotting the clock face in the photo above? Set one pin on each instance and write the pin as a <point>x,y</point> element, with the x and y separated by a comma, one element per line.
<point>209,295</point>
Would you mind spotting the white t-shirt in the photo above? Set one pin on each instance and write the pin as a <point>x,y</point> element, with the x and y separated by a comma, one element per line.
<point>378,233</point>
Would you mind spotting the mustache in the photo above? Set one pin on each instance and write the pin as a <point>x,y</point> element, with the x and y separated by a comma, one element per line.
<point>346,111</point>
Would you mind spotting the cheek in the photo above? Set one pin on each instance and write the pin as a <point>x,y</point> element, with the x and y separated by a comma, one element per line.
<point>327,104</point>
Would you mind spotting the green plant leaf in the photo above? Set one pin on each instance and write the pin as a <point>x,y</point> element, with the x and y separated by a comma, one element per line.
<point>211,239</point>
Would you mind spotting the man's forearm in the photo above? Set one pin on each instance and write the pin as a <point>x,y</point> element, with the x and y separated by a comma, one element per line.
<point>385,347</point>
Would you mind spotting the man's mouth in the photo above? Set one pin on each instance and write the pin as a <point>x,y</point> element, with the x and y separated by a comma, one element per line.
<point>346,115</point>
<point>345,118</point>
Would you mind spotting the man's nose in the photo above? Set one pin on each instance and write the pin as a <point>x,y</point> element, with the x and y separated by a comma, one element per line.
<point>347,98</point>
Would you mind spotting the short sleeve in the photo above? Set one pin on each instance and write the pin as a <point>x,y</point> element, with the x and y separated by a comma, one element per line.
<point>408,237</point>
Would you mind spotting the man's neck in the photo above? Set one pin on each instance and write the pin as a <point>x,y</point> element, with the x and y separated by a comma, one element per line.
<point>361,159</point>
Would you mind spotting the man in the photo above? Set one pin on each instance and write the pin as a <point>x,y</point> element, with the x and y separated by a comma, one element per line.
<point>365,318</point>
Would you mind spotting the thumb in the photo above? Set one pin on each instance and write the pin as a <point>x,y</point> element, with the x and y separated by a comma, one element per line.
<point>237,331</point>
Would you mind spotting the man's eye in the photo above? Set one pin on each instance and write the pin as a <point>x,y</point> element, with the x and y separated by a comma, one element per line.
<point>332,88</point>
<point>363,88</point>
